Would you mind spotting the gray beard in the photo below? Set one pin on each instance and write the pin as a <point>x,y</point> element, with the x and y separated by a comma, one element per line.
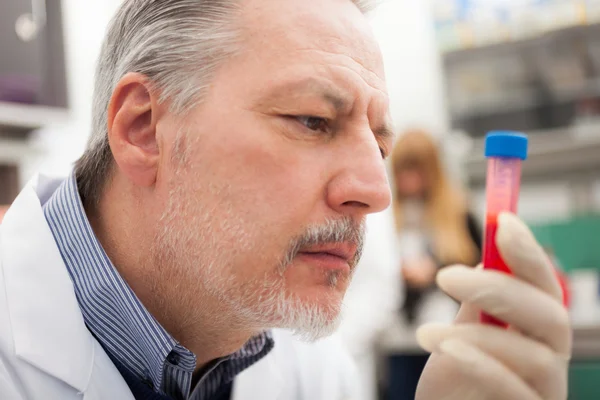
<point>258,304</point>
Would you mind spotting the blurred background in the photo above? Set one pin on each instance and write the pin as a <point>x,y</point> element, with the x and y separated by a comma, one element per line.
<point>456,69</point>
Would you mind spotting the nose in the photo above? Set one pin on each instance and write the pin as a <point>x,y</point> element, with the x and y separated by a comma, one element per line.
<point>361,185</point>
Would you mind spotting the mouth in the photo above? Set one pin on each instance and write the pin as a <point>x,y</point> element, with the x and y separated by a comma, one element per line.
<point>330,256</point>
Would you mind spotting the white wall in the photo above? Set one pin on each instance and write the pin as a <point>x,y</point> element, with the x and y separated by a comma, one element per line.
<point>404,29</point>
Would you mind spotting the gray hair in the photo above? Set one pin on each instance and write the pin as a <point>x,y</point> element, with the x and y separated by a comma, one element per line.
<point>178,45</point>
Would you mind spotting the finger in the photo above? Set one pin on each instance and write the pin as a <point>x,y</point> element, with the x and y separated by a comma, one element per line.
<point>528,309</point>
<point>535,363</point>
<point>468,312</point>
<point>525,256</point>
<point>485,377</point>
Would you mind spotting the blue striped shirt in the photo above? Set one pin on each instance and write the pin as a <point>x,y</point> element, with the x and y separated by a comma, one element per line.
<point>121,323</point>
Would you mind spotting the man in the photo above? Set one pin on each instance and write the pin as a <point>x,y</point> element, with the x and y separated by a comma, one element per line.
<point>236,149</point>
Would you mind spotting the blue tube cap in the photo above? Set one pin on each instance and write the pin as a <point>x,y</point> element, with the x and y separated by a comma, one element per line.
<point>506,144</point>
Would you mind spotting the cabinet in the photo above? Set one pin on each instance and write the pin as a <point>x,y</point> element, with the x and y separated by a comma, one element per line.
<point>32,66</point>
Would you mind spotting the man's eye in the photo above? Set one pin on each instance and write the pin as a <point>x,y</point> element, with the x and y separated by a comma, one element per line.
<point>313,123</point>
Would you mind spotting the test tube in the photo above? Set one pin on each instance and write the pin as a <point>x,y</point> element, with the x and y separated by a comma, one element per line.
<point>505,152</point>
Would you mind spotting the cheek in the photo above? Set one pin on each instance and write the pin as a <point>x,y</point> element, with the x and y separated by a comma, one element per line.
<point>262,191</point>
<point>273,180</point>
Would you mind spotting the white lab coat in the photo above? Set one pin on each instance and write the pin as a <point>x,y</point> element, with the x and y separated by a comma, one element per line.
<point>47,353</point>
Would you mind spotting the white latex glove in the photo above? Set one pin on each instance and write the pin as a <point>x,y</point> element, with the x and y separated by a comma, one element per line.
<point>529,361</point>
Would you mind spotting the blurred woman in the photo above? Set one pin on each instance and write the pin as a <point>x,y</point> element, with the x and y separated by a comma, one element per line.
<point>434,226</point>
<point>434,229</point>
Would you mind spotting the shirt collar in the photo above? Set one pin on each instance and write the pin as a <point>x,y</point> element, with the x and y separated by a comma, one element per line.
<point>111,310</point>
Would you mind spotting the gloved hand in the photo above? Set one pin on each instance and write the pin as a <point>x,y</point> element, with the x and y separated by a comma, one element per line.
<point>528,361</point>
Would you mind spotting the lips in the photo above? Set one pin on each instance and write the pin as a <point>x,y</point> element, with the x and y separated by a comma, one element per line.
<point>343,250</point>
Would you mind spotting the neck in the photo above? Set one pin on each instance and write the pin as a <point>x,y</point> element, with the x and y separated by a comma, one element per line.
<point>200,323</point>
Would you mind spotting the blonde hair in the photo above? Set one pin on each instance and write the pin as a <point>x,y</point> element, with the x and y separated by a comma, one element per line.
<point>445,205</point>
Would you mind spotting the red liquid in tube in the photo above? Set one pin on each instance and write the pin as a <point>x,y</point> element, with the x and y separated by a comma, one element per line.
<point>492,260</point>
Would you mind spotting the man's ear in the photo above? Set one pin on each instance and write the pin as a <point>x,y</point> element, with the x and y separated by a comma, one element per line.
<point>133,112</point>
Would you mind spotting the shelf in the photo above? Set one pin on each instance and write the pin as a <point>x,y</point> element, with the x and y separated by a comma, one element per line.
<point>553,154</point>
<point>492,105</point>
<point>586,342</point>
<point>536,39</point>
<point>14,151</point>
<point>524,100</point>
<point>26,117</point>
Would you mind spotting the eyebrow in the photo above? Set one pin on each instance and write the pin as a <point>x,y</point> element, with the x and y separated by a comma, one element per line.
<point>340,100</point>
<point>385,131</point>
<point>337,98</point>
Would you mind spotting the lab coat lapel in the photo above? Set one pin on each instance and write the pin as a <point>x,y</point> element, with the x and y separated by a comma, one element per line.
<point>48,327</point>
<point>107,383</point>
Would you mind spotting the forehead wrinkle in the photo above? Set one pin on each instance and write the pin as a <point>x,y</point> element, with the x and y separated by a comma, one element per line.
<point>368,75</point>
<point>364,97</point>
<point>331,92</point>
<point>336,95</point>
